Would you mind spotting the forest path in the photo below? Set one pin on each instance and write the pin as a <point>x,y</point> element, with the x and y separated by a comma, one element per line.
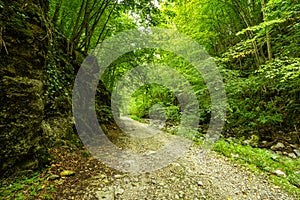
<point>192,176</point>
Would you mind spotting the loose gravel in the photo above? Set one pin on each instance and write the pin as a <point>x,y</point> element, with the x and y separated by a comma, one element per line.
<point>198,174</point>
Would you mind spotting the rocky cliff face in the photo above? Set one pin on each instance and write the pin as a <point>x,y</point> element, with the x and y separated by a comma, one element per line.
<point>23,45</point>
<point>36,81</point>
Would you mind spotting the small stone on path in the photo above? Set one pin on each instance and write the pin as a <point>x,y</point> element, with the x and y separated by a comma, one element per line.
<point>292,155</point>
<point>53,177</point>
<point>297,152</point>
<point>118,176</point>
<point>278,172</point>
<point>200,183</point>
<point>67,173</point>
<point>278,146</point>
<point>108,195</point>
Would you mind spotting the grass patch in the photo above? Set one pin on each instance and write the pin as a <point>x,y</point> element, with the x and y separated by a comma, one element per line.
<point>263,160</point>
<point>136,118</point>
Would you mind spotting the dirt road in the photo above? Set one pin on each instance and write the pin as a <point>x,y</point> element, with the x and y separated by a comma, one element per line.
<point>193,175</point>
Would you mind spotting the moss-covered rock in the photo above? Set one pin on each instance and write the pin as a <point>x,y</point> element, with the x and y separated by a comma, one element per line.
<point>23,58</point>
<point>36,81</point>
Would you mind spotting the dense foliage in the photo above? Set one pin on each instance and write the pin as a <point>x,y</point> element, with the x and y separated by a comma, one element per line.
<point>255,45</point>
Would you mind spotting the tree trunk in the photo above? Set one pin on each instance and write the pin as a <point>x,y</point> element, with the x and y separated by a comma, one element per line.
<point>56,12</point>
<point>263,5</point>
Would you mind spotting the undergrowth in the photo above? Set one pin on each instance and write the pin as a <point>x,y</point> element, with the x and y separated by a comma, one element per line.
<point>263,161</point>
<point>27,188</point>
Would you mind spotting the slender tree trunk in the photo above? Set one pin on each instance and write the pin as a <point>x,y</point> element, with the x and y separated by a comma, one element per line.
<point>248,22</point>
<point>56,12</point>
<point>102,31</point>
<point>74,31</point>
<point>263,5</point>
<point>96,16</point>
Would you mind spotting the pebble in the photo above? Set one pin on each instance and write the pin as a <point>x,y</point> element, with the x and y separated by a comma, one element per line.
<point>274,157</point>
<point>292,155</point>
<point>53,177</point>
<point>181,194</point>
<point>295,146</point>
<point>126,180</point>
<point>118,176</point>
<point>278,172</point>
<point>119,191</point>
<point>200,183</point>
<point>297,173</point>
<point>297,152</point>
<point>278,146</point>
<point>67,173</point>
<point>107,195</point>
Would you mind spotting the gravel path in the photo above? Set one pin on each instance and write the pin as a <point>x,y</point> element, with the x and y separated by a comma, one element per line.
<point>195,175</point>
